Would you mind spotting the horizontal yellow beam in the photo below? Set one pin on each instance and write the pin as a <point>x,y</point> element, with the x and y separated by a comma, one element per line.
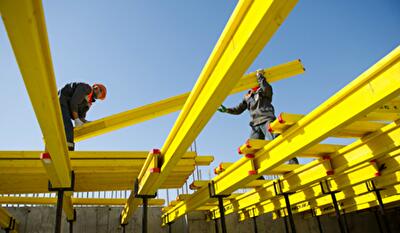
<point>89,155</point>
<point>253,145</point>
<point>26,29</point>
<point>75,201</point>
<point>173,104</point>
<point>355,129</point>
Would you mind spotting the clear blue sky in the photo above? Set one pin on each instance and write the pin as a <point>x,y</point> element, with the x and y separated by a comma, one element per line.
<point>145,51</point>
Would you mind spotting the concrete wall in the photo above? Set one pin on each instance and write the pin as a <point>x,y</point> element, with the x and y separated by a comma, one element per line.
<point>106,220</point>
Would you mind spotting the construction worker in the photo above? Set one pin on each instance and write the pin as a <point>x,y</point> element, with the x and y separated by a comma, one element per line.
<point>75,100</point>
<point>258,101</point>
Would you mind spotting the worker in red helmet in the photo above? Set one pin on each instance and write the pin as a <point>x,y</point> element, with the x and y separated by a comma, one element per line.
<point>76,99</point>
<point>258,101</point>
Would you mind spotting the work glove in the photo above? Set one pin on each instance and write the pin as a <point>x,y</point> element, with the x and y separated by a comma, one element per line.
<point>222,108</point>
<point>78,122</point>
<point>260,72</point>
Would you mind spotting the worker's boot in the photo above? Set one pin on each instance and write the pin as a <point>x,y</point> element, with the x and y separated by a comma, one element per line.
<point>71,146</point>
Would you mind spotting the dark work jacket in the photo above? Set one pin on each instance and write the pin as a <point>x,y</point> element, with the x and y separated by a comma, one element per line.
<point>259,104</point>
<point>74,95</point>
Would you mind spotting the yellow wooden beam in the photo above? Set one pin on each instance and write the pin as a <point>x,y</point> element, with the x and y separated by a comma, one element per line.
<point>75,201</point>
<point>26,29</point>
<point>173,104</point>
<point>90,155</point>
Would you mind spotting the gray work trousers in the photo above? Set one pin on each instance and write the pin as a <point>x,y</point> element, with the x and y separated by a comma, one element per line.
<point>261,132</point>
<point>68,126</point>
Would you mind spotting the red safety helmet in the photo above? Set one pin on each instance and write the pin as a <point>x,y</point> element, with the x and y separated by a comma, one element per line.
<point>103,90</point>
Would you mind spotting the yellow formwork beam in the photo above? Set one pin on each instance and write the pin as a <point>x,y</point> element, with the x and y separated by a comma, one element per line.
<point>75,201</point>
<point>7,221</point>
<point>173,104</point>
<point>250,27</point>
<point>355,129</point>
<point>90,155</point>
<point>26,29</point>
<point>253,145</point>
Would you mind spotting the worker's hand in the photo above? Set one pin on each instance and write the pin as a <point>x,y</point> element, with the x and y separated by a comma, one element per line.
<point>78,122</point>
<point>222,108</point>
<point>260,72</point>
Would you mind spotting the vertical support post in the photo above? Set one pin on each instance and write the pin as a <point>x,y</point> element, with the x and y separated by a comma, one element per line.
<point>211,189</point>
<point>123,228</point>
<point>71,226</point>
<point>254,221</point>
<point>279,192</point>
<point>289,210</point>
<point>286,225</point>
<point>169,227</point>
<point>144,217</point>
<point>337,212</point>
<point>325,188</point>
<point>60,195</point>
<point>255,224</point>
<point>216,225</point>
<point>372,188</point>
<point>382,210</point>
<point>319,224</point>
<point>145,199</point>
<point>186,224</point>
<point>345,222</point>
<point>222,213</point>
<point>378,221</point>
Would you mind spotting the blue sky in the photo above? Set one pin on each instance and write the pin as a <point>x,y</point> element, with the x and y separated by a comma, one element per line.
<point>145,51</point>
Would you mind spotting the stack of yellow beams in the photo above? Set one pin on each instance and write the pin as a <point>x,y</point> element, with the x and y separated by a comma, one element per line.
<point>22,172</point>
<point>376,87</point>
<point>353,193</point>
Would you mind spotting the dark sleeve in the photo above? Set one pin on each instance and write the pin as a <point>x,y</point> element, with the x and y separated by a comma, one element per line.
<point>238,109</point>
<point>265,86</point>
<point>80,92</point>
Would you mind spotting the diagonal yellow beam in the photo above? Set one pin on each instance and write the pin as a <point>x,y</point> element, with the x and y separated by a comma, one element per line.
<point>173,104</point>
<point>251,26</point>
<point>26,29</point>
